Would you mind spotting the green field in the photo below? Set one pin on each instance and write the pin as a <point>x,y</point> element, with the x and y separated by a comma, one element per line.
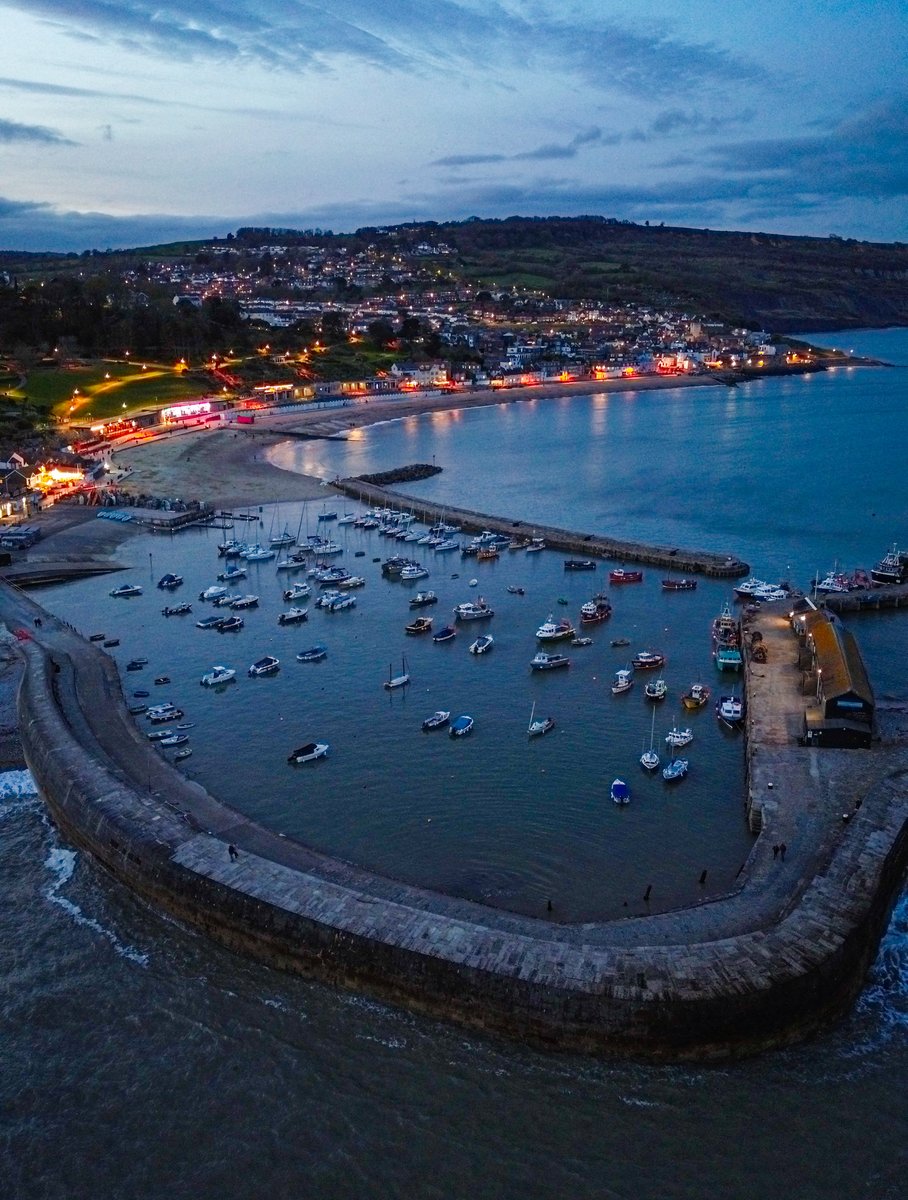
<point>107,389</point>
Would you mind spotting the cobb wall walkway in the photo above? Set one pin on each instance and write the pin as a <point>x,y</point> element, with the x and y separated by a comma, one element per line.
<point>581,545</point>
<point>771,962</point>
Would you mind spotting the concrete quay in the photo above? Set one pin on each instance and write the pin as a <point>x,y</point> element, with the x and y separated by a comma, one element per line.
<point>772,962</point>
<point>669,558</point>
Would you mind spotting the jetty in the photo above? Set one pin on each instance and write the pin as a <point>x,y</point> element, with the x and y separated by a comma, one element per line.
<point>775,959</point>
<point>868,600</point>
<point>585,545</point>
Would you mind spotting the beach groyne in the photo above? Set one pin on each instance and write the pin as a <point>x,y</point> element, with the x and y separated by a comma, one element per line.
<point>773,961</point>
<point>585,545</point>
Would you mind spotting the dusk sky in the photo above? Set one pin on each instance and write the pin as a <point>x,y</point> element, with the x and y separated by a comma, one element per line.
<point>125,122</point>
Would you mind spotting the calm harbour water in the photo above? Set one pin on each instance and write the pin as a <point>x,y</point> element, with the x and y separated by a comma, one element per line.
<point>140,1060</point>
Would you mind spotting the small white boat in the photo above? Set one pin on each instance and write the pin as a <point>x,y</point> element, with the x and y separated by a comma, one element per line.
<point>655,689</point>
<point>170,581</point>
<point>232,574</point>
<point>245,602</point>
<point>397,681</point>
<point>175,739</point>
<point>215,592</point>
<point>461,726</point>
<point>482,644</point>
<point>313,654</point>
<point>298,592</point>
<point>218,675</point>
<point>676,769</point>
<point>620,792</point>
<point>468,611</point>
<point>265,666</point>
<point>537,728</point>
<point>649,759</point>
<point>679,737</point>
<point>352,581</point>
<point>308,753</point>
<point>548,662</point>
<point>346,519</point>
<point>438,720</point>
<point>126,589</point>
<point>552,631</point>
<point>259,554</point>
<point>293,616</point>
<point>624,681</point>
<point>413,571</point>
<point>421,599</point>
<point>340,602</point>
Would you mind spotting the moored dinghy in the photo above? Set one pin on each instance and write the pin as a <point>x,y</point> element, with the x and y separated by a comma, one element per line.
<point>461,726</point>
<point>308,753</point>
<point>620,792</point>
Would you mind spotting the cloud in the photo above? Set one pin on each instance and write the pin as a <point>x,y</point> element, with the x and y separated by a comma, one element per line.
<point>552,150</point>
<point>12,131</point>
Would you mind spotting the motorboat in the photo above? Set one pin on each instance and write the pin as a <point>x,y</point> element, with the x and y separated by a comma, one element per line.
<point>548,662</point>
<point>538,728</point>
<point>619,575</point>
<point>313,654</point>
<point>470,611</point>
<point>438,720</point>
<point>674,770</point>
<point>97,637</point>
<point>217,676</point>
<point>594,611</point>
<point>245,602</point>
<point>135,709</point>
<point>516,591</point>
<point>461,726</point>
<point>696,696</point>
<point>620,792</point>
<point>308,753</point>
<point>178,610</point>
<point>259,554</point>
<point>620,642</point>
<point>423,599</point>
<point>160,680</point>
<point>157,710</point>
<point>730,710</point>
<point>679,737</point>
<point>655,689</point>
<point>397,681</point>
<point>414,571</point>
<point>340,602</point>
<point>298,592</point>
<point>327,576</point>
<point>536,545</point>
<point>125,589</point>
<point>293,616</point>
<point>136,664</point>
<point>352,581</point>
<point>326,598</point>
<point>581,641</point>
<point>648,660</point>
<point>223,601</point>
<point>231,624</point>
<point>550,631</point>
<point>232,574</point>
<point>420,625</point>
<point>445,635</point>
<point>175,739</point>
<point>158,716</point>
<point>208,622</point>
<point>624,681</point>
<point>169,581</point>
<point>579,564</point>
<point>215,592</point>
<point>265,666</point>
<point>482,644</point>
<point>293,562</point>
<point>679,585</point>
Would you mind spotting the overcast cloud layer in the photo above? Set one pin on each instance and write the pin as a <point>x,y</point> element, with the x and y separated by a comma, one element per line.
<point>130,121</point>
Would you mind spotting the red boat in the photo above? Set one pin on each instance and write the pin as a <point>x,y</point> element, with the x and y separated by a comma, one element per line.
<point>621,576</point>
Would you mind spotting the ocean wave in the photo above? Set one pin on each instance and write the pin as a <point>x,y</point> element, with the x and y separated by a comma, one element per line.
<point>61,863</point>
<point>17,784</point>
<point>885,998</point>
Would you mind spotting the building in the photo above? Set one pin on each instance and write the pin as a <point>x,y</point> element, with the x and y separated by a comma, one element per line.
<point>843,716</point>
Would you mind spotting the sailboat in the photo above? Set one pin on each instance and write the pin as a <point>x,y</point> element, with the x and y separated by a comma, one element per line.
<point>536,728</point>
<point>649,759</point>
<point>397,681</point>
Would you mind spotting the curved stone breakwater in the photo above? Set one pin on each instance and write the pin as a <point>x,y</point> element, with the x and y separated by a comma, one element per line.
<point>671,558</point>
<point>771,962</point>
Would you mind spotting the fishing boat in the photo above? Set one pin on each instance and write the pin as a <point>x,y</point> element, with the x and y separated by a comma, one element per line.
<point>178,610</point>
<point>308,753</point>
<point>620,792</point>
<point>648,660</point>
<point>158,716</point>
<point>730,710</point>
<point>620,642</point>
<point>413,571</point>
<point>619,575</point>
<point>242,602</point>
<point>232,574</point>
<point>231,624</point>
<point>892,568</point>
<point>675,770</point>
<point>679,585</point>
<point>725,628</point>
<point>538,728</point>
<point>679,737</point>
<point>420,625</point>
<point>581,641</point>
<point>728,658</point>
<point>423,599</point>
<point>265,666</point>
<point>624,681</point>
<point>579,564</point>
<point>298,592</point>
<point>170,581</point>
<point>649,759</point>
<point>125,589</point>
<point>397,681</point>
<point>293,616</point>
<point>487,553</point>
<point>482,644</point>
<point>537,544</point>
<point>656,689</point>
<point>438,720</point>
<point>215,592</point>
<point>594,611</point>
<point>445,635</point>
<point>696,696</point>
<point>470,611</point>
<point>461,726</point>
<point>313,654</point>
<point>548,662</point>
<point>550,631</point>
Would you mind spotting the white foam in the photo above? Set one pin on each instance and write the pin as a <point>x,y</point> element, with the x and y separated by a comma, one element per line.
<point>61,863</point>
<point>17,784</point>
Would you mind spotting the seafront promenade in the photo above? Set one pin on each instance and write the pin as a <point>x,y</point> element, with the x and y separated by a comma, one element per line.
<point>782,954</point>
